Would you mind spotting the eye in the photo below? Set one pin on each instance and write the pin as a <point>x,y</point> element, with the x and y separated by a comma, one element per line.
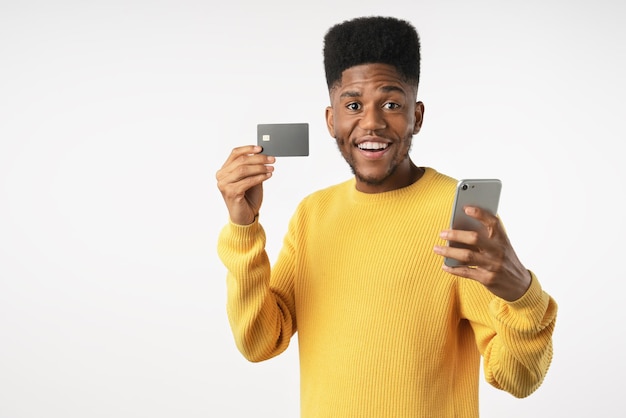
<point>391,106</point>
<point>353,106</point>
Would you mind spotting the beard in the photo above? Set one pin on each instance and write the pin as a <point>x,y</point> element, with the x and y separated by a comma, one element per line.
<point>372,180</point>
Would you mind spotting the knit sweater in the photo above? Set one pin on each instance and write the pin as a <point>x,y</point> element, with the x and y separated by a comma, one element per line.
<point>382,330</point>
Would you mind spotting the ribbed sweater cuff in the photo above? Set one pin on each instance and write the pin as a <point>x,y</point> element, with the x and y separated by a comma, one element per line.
<point>528,312</point>
<point>244,232</point>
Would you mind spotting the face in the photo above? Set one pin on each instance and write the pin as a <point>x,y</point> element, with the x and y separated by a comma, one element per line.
<point>373,117</point>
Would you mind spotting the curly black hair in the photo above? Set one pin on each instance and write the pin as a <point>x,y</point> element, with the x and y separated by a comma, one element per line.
<point>369,40</point>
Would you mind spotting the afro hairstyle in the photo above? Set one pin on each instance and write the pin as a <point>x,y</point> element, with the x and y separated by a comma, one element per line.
<point>371,40</point>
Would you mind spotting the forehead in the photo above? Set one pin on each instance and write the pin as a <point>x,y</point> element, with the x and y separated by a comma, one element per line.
<point>366,78</point>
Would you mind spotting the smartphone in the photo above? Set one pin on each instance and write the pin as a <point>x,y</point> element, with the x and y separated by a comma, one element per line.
<point>284,139</point>
<point>483,193</point>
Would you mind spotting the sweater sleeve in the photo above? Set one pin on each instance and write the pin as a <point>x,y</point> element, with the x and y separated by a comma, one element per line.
<point>515,338</point>
<point>259,314</point>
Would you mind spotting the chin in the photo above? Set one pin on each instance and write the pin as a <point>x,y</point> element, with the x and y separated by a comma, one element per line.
<point>372,181</point>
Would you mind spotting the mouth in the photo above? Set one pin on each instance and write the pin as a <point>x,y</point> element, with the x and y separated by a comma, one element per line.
<point>372,146</point>
<point>373,149</point>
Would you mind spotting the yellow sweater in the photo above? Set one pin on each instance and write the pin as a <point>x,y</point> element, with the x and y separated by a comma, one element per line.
<point>382,330</point>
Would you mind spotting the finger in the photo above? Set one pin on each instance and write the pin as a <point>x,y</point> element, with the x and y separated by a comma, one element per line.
<point>489,220</point>
<point>241,171</point>
<point>487,254</point>
<point>476,273</point>
<point>468,238</point>
<point>241,165</point>
<point>468,247</point>
<point>465,256</point>
<point>235,187</point>
<point>238,152</point>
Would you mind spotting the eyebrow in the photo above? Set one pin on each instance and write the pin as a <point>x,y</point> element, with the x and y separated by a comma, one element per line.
<point>384,89</point>
<point>350,94</point>
<point>389,89</point>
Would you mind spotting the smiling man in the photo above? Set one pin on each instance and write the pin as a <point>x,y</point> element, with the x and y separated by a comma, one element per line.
<point>385,329</point>
<point>373,117</point>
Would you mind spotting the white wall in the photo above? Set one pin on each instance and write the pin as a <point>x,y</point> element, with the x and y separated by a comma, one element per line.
<point>115,116</point>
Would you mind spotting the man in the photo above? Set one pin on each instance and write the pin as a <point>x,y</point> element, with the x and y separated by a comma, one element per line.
<point>384,328</point>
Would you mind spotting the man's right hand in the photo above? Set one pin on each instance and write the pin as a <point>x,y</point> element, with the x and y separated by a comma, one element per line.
<point>240,180</point>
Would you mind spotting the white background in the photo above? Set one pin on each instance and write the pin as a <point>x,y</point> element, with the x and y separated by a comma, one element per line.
<point>115,116</point>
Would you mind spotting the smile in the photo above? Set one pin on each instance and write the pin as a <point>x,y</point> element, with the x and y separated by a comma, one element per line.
<point>372,146</point>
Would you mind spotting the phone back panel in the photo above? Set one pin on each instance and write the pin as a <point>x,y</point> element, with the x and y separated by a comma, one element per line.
<point>483,193</point>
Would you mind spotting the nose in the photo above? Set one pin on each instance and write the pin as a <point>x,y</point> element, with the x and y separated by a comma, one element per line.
<point>372,119</point>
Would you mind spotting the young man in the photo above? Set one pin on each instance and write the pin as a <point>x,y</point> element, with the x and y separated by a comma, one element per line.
<point>384,328</point>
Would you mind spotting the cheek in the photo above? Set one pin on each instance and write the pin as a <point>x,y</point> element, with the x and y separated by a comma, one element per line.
<point>340,133</point>
<point>341,141</point>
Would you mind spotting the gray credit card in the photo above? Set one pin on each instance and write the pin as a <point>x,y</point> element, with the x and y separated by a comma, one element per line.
<point>284,139</point>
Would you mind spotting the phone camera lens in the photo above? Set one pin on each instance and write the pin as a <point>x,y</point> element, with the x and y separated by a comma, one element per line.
<point>464,187</point>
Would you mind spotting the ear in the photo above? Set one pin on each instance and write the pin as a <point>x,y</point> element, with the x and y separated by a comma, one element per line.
<point>330,121</point>
<point>419,117</point>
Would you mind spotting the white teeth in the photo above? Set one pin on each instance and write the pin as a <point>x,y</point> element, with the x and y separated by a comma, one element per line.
<point>372,146</point>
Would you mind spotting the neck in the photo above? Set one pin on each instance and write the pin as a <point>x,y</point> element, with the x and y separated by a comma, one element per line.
<point>403,177</point>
